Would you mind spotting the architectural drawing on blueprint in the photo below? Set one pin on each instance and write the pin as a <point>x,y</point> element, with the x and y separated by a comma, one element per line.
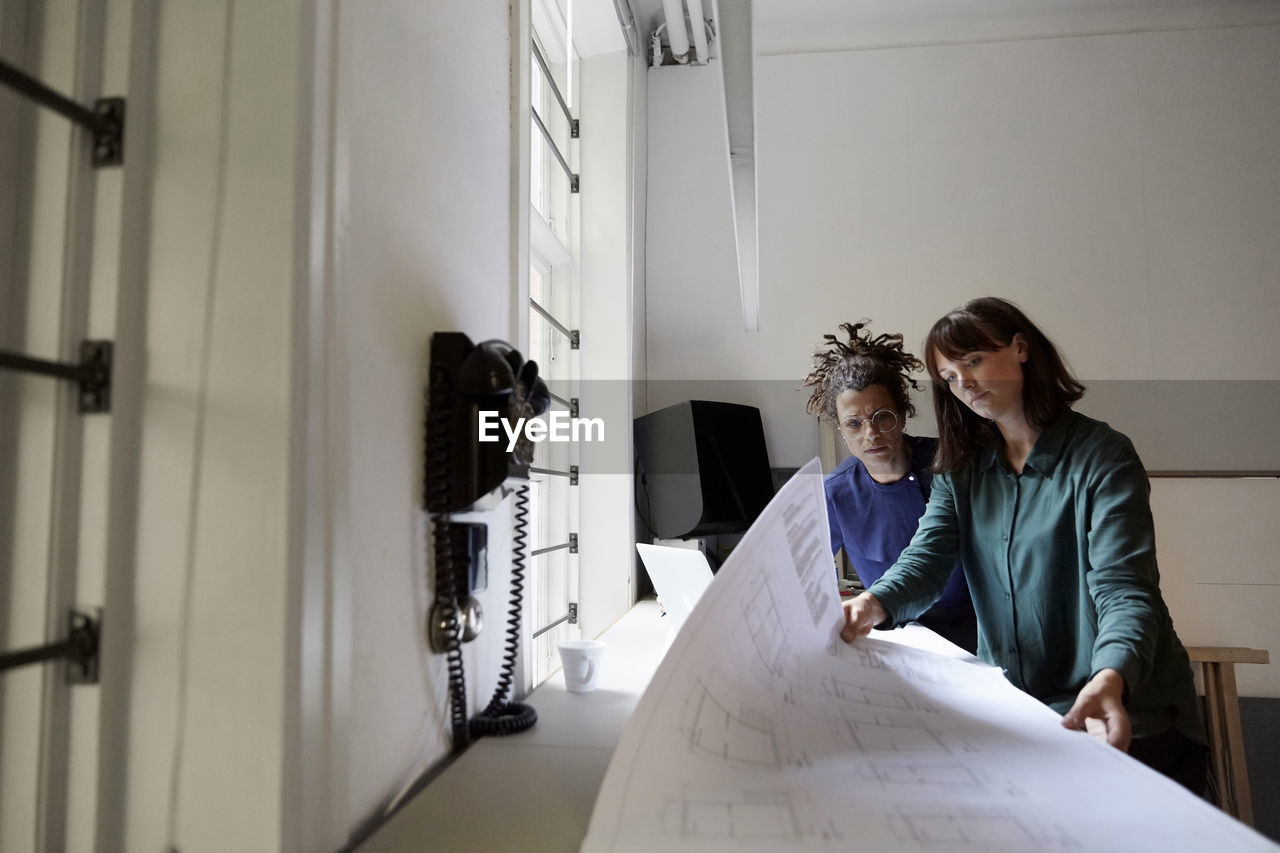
<point>763,731</point>
<point>806,531</point>
<point>717,724</point>
<point>976,828</point>
<point>878,656</point>
<point>848,690</point>
<point>762,630</point>
<point>874,737</point>
<point>704,813</point>
<point>925,777</point>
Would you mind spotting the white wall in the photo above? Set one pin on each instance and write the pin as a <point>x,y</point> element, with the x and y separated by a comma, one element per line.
<point>168,512</point>
<point>426,188</point>
<point>422,242</point>
<point>310,190</point>
<point>252,506</point>
<point>369,204</point>
<point>638,228</point>
<point>198,641</point>
<point>691,287</point>
<point>606,532</point>
<point>1217,541</point>
<point>1122,188</point>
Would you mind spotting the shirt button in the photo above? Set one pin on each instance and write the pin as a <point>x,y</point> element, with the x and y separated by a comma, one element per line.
<point>1004,537</point>
<point>1007,596</point>
<point>912,477</point>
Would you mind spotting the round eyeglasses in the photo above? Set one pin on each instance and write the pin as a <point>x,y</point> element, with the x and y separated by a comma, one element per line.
<point>884,420</point>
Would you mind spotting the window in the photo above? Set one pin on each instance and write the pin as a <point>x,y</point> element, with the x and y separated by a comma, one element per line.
<point>552,316</point>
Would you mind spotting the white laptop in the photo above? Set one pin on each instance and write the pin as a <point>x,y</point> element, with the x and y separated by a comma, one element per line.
<point>679,575</point>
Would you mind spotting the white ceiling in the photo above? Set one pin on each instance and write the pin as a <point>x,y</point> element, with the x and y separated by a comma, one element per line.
<point>596,28</point>
<point>807,26</point>
<point>803,26</point>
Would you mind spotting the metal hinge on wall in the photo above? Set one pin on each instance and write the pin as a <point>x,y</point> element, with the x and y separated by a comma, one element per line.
<point>92,374</point>
<point>105,120</point>
<point>79,649</point>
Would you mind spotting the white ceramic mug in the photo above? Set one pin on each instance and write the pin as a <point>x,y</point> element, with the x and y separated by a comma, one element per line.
<point>581,662</point>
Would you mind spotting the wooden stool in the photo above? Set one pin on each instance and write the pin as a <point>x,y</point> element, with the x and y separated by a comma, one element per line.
<point>1226,743</point>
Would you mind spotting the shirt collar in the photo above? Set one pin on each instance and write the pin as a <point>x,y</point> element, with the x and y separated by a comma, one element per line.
<point>1047,450</point>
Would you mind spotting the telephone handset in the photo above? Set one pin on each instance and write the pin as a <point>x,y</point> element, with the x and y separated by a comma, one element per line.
<point>464,473</point>
<point>467,380</point>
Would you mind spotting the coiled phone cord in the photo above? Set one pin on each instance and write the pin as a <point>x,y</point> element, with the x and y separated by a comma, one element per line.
<point>438,450</point>
<point>502,717</point>
<point>446,592</point>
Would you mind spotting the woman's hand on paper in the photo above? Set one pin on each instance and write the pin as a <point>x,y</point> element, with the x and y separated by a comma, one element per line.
<point>861,614</point>
<point>1099,709</point>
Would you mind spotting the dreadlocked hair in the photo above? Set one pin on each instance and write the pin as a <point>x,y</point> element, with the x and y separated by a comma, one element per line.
<point>862,360</point>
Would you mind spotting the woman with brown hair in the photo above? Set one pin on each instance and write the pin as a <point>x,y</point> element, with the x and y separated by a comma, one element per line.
<point>1050,512</point>
<point>875,497</point>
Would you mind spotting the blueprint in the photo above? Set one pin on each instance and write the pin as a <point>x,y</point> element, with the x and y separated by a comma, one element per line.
<point>762,730</point>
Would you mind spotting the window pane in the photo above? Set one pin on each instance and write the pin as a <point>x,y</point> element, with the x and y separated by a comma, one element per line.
<point>545,657</point>
<point>551,351</point>
<point>549,587</point>
<point>537,286</point>
<point>537,162</point>
<point>550,188</point>
<point>554,193</point>
<point>538,341</point>
<point>552,575</point>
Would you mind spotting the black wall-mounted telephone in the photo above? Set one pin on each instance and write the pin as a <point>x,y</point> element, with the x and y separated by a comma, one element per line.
<point>465,473</point>
<point>466,381</point>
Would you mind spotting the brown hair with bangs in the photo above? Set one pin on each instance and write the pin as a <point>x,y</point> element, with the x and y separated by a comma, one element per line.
<point>984,325</point>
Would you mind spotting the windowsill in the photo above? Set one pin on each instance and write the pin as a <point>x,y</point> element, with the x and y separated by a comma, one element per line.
<point>536,789</point>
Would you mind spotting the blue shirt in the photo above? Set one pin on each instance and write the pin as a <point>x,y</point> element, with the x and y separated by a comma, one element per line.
<point>1061,561</point>
<point>875,521</point>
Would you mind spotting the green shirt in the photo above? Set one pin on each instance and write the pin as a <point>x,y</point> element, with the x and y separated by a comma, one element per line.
<point>1061,563</point>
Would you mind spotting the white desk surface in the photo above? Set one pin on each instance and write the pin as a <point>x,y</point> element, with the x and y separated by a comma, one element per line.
<point>534,791</point>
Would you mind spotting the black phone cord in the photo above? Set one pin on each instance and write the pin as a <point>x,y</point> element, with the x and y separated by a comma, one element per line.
<point>438,450</point>
<point>502,717</point>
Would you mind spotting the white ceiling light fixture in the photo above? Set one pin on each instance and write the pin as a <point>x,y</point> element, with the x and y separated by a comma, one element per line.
<point>737,54</point>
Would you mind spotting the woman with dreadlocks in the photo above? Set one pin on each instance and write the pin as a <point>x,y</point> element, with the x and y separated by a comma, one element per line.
<point>875,497</point>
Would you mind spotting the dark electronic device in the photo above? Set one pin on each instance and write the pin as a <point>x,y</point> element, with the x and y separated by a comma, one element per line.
<point>703,469</point>
<point>465,473</point>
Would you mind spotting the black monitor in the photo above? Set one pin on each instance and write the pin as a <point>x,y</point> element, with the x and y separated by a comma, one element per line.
<point>702,469</point>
